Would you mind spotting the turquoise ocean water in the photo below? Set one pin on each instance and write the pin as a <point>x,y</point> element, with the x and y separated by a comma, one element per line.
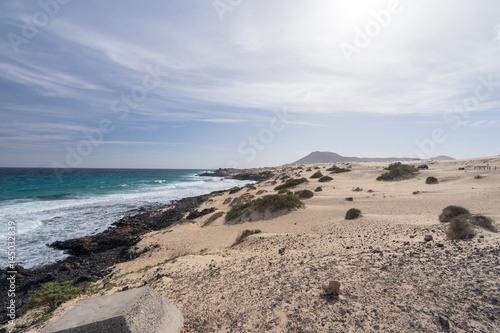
<point>47,208</point>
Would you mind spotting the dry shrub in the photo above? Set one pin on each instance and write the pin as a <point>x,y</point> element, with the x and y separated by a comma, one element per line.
<point>212,218</point>
<point>452,211</point>
<point>460,228</point>
<point>244,235</point>
<point>483,222</point>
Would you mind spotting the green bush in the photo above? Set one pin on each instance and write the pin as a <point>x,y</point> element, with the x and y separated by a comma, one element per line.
<point>317,174</point>
<point>291,183</point>
<point>244,235</point>
<point>318,189</point>
<point>325,179</point>
<point>450,212</point>
<point>272,202</point>
<point>352,214</point>
<point>431,180</point>
<point>398,172</point>
<point>460,228</point>
<point>52,294</point>
<point>304,194</point>
<point>336,169</point>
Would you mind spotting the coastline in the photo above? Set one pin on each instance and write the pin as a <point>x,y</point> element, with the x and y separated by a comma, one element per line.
<point>91,256</point>
<point>391,278</point>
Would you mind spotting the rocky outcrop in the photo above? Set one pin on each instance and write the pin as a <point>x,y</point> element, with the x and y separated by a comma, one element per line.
<point>247,174</point>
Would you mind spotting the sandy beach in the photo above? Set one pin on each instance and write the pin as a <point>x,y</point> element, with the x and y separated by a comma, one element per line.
<point>391,279</point>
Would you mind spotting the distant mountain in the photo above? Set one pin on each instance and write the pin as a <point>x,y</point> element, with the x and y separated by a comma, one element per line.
<point>443,158</point>
<point>328,157</point>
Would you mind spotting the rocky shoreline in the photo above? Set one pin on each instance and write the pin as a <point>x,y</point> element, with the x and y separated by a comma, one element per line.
<point>92,256</point>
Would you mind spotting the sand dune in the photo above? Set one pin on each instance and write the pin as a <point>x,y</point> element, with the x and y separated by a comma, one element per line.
<point>391,279</point>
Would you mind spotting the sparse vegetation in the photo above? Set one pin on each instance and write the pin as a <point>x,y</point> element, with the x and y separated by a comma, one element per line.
<point>452,211</point>
<point>304,194</point>
<point>483,222</point>
<point>244,235</point>
<point>325,179</point>
<point>398,172</point>
<point>460,228</point>
<point>352,214</point>
<point>336,169</point>
<point>431,180</point>
<point>271,202</point>
<point>250,187</point>
<point>357,189</point>
<point>212,218</point>
<point>52,294</point>
<point>291,183</point>
<point>317,174</point>
<point>284,191</point>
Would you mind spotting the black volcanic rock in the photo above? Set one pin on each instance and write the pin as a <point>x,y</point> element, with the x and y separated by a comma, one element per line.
<point>240,174</point>
<point>92,256</point>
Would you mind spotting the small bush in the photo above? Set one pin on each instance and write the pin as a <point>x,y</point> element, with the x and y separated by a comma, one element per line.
<point>284,191</point>
<point>357,189</point>
<point>398,172</point>
<point>460,228</point>
<point>304,194</point>
<point>250,187</point>
<point>431,180</point>
<point>478,177</point>
<point>309,169</point>
<point>416,192</point>
<point>451,211</point>
<point>325,179</point>
<point>352,214</point>
<point>244,235</point>
<point>318,189</point>
<point>317,174</point>
<point>341,170</point>
<point>291,183</point>
<point>483,222</point>
<point>52,294</point>
<point>271,202</point>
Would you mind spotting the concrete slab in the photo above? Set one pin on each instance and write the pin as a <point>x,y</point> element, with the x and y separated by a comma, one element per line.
<point>131,311</point>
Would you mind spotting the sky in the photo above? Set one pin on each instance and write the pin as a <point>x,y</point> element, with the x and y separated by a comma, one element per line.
<point>239,83</point>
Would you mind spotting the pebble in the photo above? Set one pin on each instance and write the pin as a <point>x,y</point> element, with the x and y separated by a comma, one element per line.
<point>428,238</point>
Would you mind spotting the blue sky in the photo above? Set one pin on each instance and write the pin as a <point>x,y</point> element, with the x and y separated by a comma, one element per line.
<point>207,84</point>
